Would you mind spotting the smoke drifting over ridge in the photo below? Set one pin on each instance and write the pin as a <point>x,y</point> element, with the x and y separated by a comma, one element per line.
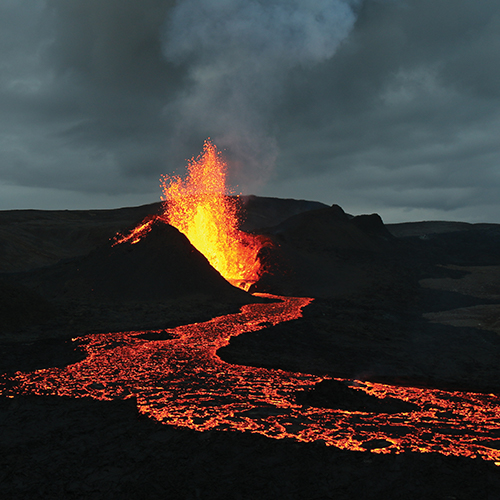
<point>237,54</point>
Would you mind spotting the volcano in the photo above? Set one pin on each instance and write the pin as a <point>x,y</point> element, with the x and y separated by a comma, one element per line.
<point>119,286</point>
<point>162,265</point>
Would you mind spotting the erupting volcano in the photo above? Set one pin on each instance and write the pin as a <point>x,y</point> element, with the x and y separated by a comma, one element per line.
<point>200,207</point>
<point>178,379</point>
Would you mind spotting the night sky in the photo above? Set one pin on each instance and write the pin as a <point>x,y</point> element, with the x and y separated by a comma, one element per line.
<point>387,106</point>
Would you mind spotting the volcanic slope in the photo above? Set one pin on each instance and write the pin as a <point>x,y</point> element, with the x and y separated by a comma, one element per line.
<point>161,265</point>
<point>150,284</point>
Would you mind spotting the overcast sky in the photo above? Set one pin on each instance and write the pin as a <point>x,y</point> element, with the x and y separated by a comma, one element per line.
<point>387,106</point>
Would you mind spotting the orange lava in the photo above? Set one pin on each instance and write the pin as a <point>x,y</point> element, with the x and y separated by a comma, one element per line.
<point>139,231</point>
<point>199,207</point>
<point>182,382</point>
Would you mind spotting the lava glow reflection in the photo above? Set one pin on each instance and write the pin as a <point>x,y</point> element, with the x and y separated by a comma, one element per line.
<point>182,382</point>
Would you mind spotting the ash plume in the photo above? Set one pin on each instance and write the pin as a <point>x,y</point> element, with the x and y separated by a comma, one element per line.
<point>237,55</point>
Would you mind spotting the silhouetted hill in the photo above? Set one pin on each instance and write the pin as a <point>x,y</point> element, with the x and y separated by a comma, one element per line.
<point>327,253</point>
<point>261,212</point>
<point>37,238</point>
<point>162,265</point>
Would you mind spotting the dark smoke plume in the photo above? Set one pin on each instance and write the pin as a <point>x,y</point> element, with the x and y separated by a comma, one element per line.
<point>237,54</point>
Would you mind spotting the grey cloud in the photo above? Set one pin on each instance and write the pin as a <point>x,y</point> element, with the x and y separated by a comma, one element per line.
<point>413,88</point>
<point>395,110</point>
<point>112,44</point>
<point>84,94</point>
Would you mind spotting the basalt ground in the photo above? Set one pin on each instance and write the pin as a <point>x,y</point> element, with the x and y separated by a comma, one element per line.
<point>412,304</point>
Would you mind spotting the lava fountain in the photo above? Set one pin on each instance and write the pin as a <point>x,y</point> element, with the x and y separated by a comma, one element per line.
<point>199,207</point>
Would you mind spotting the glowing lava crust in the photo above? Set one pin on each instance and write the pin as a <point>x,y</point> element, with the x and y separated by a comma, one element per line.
<point>182,382</point>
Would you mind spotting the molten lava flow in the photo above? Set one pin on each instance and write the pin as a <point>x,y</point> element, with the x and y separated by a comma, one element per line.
<point>199,207</point>
<point>139,231</point>
<point>182,382</point>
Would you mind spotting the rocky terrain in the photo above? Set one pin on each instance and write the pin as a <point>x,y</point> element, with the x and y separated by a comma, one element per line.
<point>414,303</point>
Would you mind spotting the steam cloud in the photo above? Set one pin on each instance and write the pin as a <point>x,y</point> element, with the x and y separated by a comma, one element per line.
<point>238,54</point>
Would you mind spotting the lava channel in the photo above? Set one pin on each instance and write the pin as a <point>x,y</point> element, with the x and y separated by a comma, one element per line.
<point>182,382</point>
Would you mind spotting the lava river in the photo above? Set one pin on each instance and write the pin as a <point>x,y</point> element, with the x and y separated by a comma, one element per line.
<point>181,381</point>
